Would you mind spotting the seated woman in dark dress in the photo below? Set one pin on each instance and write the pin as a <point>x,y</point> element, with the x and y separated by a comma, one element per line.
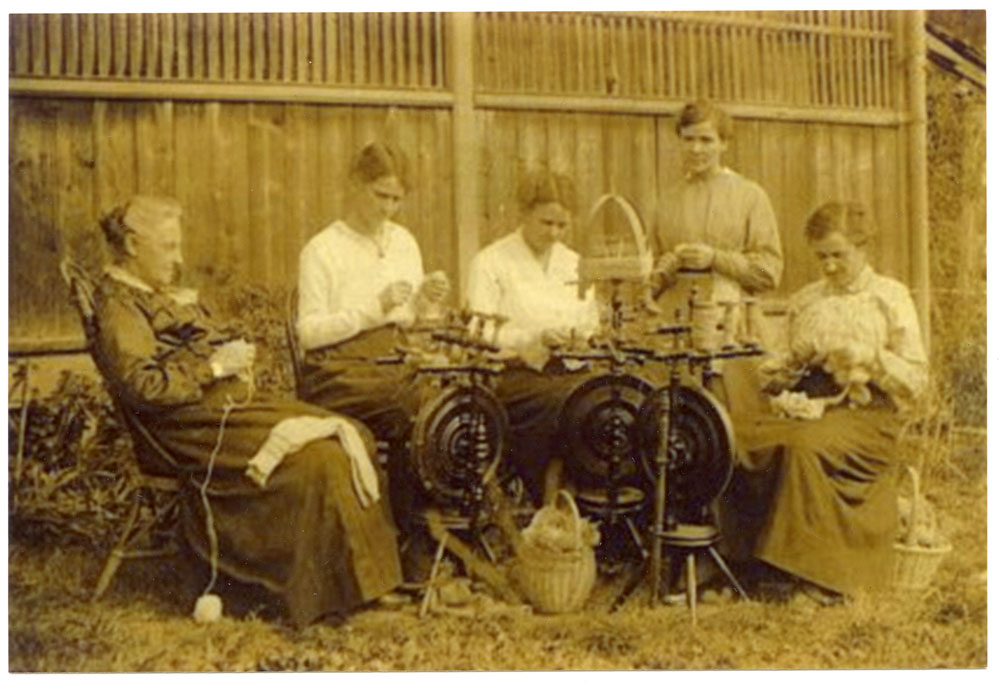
<point>814,495</point>
<point>296,505</point>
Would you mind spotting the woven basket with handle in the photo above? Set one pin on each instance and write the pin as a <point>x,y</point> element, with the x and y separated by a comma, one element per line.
<point>915,565</point>
<point>557,581</point>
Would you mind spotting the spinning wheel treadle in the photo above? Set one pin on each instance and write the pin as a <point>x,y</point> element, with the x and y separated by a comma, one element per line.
<point>458,440</point>
<point>598,425</point>
<point>700,460</point>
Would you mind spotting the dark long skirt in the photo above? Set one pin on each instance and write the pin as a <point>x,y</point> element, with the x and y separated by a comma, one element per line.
<point>305,536</point>
<point>348,380</point>
<point>816,498</point>
<point>534,401</point>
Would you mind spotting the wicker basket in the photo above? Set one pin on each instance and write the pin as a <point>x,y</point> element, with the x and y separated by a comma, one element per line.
<point>915,565</point>
<point>557,581</point>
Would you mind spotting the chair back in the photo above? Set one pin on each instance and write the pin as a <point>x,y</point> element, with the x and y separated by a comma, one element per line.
<point>152,459</point>
<point>81,289</point>
<point>292,336</point>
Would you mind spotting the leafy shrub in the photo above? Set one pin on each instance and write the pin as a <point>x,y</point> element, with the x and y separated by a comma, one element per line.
<point>75,479</point>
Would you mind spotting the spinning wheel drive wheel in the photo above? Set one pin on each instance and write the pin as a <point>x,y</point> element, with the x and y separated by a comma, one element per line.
<point>597,426</point>
<point>458,440</point>
<point>700,462</point>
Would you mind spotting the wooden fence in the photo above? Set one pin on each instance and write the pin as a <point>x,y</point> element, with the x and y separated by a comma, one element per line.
<point>250,119</point>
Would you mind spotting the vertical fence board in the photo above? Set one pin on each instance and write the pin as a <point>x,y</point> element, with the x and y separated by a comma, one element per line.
<point>194,192</point>
<point>793,207</point>
<point>154,129</point>
<point>884,200</point>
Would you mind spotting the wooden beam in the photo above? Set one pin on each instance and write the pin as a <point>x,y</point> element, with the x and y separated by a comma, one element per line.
<point>250,92</point>
<point>671,107</point>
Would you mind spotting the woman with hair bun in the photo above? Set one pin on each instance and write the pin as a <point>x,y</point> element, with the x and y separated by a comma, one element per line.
<point>361,281</point>
<point>275,493</point>
<point>530,278</point>
<point>814,496</point>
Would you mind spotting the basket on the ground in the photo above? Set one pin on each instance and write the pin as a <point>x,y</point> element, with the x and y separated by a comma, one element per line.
<point>915,564</point>
<point>557,579</point>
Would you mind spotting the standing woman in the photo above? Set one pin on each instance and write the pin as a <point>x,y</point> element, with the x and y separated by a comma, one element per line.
<point>360,281</point>
<point>715,219</point>
<point>286,489</point>
<point>814,496</point>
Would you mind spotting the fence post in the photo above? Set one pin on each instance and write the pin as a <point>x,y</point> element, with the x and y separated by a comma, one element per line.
<point>465,142</point>
<point>916,52</point>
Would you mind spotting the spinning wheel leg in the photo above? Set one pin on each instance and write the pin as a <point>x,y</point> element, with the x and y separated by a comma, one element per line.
<point>729,574</point>
<point>487,549</point>
<point>438,557</point>
<point>636,538</point>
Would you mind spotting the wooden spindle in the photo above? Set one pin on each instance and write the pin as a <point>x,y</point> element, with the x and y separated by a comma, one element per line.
<point>258,50</point>
<point>427,79</point>
<point>330,38</point>
<point>88,45</point>
<point>288,49</point>
<point>183,32</point>
<point>227,54</point>
<point>244,46</point>
<point>399,70</point>
<point>71,28</point>
<point>54,41</point>
<point>301,42</point>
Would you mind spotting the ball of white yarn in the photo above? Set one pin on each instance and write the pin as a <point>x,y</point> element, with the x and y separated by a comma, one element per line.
<point>208,608</point>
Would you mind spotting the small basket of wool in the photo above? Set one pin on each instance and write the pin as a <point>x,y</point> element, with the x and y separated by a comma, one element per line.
<point>555,566</point>
<point>920,546</point>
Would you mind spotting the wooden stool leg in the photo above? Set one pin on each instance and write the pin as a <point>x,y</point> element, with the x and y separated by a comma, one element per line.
<point>692,587</point>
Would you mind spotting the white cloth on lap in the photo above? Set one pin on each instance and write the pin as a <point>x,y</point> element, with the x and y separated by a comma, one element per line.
<point>292,434</point>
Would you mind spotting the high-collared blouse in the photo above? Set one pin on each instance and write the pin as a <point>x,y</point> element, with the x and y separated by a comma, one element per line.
<point>875,311</point>
<point>156,345</point>
<point>341,274</point>
<point>508,279</point>
<point>734,216</point>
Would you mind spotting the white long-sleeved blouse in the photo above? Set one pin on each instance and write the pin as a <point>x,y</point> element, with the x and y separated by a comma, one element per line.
<point>341,274</point>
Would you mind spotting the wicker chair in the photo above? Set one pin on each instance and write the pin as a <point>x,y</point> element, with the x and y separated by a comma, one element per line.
<point>151,527</point>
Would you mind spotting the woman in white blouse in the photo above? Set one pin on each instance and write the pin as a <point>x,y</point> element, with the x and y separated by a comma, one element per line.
<point>530,278</point>
<point>361,279</point>
<point>815,495</point>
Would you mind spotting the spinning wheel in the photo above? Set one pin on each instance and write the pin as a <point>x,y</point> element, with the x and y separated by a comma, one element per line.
<point>700,452</point>
<point>458,440</point>
<point>598,425</point>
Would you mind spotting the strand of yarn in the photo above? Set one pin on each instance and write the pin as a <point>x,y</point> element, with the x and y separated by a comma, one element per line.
<point>208,607</point>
